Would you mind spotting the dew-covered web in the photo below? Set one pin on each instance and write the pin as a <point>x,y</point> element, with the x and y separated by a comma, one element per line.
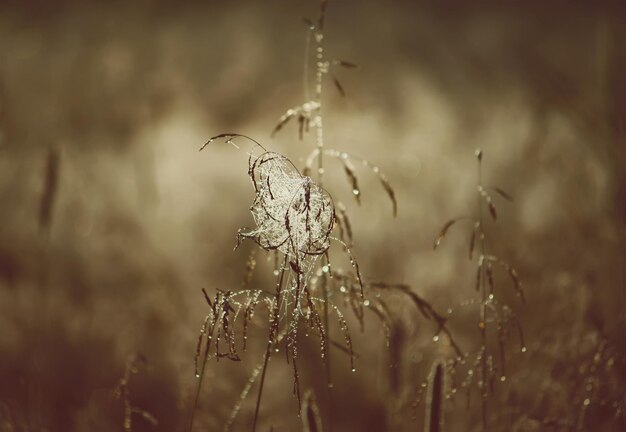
<point>294,217</point>
<point>292,213</point>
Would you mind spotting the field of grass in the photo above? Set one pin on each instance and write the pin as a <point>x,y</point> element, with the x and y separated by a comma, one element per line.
<point>426,202</point>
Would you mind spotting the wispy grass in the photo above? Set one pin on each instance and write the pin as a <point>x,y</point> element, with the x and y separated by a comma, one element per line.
<point>296,218</point>
<point>123,393</point>
<point>490,366</point>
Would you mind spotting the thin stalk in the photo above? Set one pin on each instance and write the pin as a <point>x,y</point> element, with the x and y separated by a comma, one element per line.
<point>128,412</point>
<point>307,49</point>
<point>319,82</point>
<point>258,400</point>
<point>483,311</point>
<point>270,340</point>
<point>200,379</point>
<point>329,383</point>
<point>197,398</point>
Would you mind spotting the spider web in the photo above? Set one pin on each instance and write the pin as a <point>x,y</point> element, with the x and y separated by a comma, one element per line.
<point>292,213</point>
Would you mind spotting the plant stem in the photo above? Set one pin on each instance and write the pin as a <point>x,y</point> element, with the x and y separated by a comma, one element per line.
<point>195,404</point>
<point>258,400</point>
<point>319,81</point>
<point>482,323</point>
<point>329,383</point>
<point>307,49</point>
<point>270,340</point>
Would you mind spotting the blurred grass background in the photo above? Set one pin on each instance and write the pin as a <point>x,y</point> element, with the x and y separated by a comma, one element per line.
<point>111,220</point>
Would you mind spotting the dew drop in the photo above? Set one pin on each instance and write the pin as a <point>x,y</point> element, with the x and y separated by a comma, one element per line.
<point>524,349</point>
<point>276,272</point>
<point>325,269</point>
<point>197,375</point>
<point>356,192</point>
<point>503,378</point>
<point>353,370</point>
<point>276,350</point>
<point>320,171</point>
<point>436,338</point>
<point>586,402</point>
<point>490,296</point>
<point>366,303</point>
<point>331,385</point>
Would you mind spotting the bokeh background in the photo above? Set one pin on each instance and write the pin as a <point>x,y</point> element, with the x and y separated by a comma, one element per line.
<point>111,221</point>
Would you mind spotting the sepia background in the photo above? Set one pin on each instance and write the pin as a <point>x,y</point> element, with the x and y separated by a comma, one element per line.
<point>112,221</point>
